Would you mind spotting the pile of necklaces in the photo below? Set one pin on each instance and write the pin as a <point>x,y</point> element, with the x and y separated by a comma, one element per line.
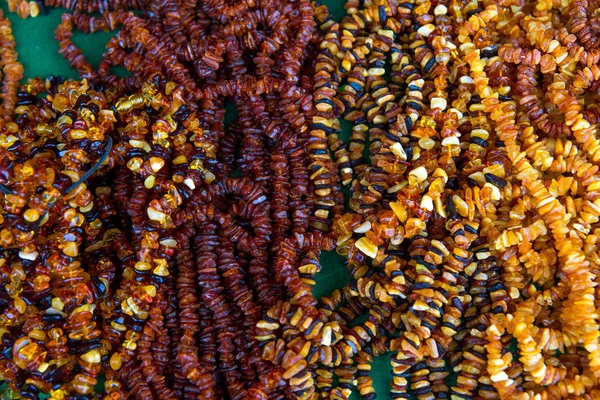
<point>155,245</point>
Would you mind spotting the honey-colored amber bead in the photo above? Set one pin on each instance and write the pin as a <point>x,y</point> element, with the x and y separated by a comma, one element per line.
<point>112,385</point>
<point>12,127</point>
<point>399,210</point>
<point>367,246</point>
<point>149,182</point>
<point>27,354</point>
<point>58,394</point>
<point>142,266</point>
<point>31,215</point>
<point>92,356</point>
<point>135,164</point>
<point>71,249</point>
<point>41,283</point>
<point>150,290</point>
<point>20,305</point>
<point>84,384</point>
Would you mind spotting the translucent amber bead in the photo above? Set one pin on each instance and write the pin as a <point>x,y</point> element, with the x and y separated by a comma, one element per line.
<point>209,177</point>
<point>209,148</point>
<point>92,356</point>
<point>77,220</point>
<point>17,273</point>
<point>84,384</point>
<point>346,224</point>
<point>399,210</point>
<point>7,141</point>
<point>149,182</point>
<point>6,238</point>
<point>174,193</point>
<point>127,104</point>
<point>87,208</point>
<point>112,386</point>
<point>156,163</point>
<point>135,164</point>
<point>170,201</point>
<point>157,216</point>
<point>27,170</point>
<point>71,249</point>
<point>15,201</point>
<point>110,234</point>
<point>27,354</point>
<point>342,249</point>
<point>115,361</point>
<point>130,345</point>
<point>179,160</point>
<point>374,238</point>
<point>413,226</point>
<point>179,140</point>
<point>77,134</point>
<point>150,290</point>
<point>150,240</point>
<point>96,224</point>
<point>142,266</point>
<point>20,305</point>
<point>385,231</point>
<point>161,270</point>
<point>417,175</point>
<point>41,283</point>
<point>426,123</point>
<point>31,215</point>
<point>367,247</point>
<point>37,334</point>
<point>388,218</point>
<point>58,394</point>
<point>23,237</point>
<point>128,273</point>
<point>94,133</point>
<point>12,127</point>
<point>118,327</point>
<point>391,168</point>
<point>197,164</point>
<point>57,304</point>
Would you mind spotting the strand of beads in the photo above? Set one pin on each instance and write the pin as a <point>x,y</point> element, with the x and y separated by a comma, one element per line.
<point>12,71</point>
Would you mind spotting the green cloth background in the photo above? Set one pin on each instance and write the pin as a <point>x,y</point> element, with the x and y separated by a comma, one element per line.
<point>38,52</point>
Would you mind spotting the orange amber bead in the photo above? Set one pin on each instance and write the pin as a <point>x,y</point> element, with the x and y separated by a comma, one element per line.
<point>27,354</point>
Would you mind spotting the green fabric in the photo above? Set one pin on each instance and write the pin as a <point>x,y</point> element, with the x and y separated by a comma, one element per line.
<point>38,52</point>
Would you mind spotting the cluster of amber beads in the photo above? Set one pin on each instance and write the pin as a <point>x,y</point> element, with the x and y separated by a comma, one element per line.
<point>32,8</point>
<point>256,55</point>
<point>146,231</point>
<point>472,228</point>
<point>144,241</point>
<point>129,252</point>
<point>25,8</point>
